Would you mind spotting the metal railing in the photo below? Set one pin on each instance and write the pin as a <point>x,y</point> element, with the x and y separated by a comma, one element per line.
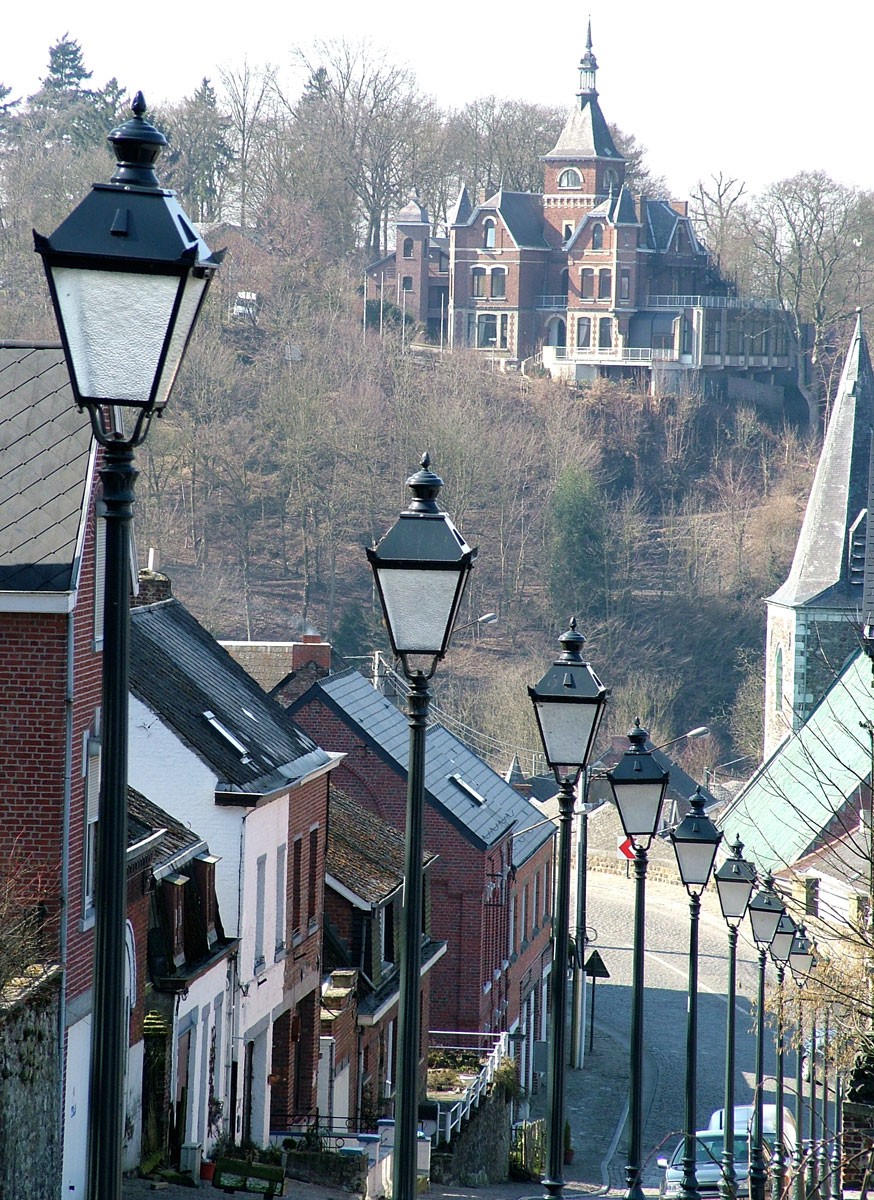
<point>712,302</point>
<point>639,354</point>
<point>557,302</point>
<point>451,1116</point>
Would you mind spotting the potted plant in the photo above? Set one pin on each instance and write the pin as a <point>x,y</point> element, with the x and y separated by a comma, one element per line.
<point>568,1148</point>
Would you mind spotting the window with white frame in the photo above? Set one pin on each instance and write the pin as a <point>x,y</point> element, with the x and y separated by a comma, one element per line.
<point>597,236</point>
<point>478,281</point>
<point>498,283</point>
<point>570,178</point>
<point>488,234</point>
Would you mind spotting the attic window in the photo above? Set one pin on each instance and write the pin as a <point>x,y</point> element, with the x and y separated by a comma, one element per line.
<point>488,234</point>
<point>467,788</point>
<point>228,736</point>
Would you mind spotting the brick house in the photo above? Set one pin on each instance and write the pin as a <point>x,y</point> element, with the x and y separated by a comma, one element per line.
<point>363,886</point>
<point>51,662</point>
<point>212,749</point>
<point>491,885</point>
<point>586,276</point>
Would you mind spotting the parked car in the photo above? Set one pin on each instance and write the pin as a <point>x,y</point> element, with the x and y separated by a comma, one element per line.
<point>743,1119</point>
<point>709,1145</point>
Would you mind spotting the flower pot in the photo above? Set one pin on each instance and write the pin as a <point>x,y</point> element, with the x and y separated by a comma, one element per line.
<point>207,1170</point>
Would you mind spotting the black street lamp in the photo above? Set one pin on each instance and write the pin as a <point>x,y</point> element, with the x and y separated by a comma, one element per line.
<point>800,964</point>
<point>781,947</point>
<point>696,840</point>
<point>735,881</point>
<point>569,703</point>
<point>127,274</point>
<point>766,909</point>
<point>638,784</point>
<point>421,568</point>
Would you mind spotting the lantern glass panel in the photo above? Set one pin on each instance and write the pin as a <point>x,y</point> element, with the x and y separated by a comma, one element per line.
<point>765,920</point>
<point>189,306</point>
<point>639,806</point>
<point>419,607</point>
<point>781,944</point>
<point>695,861</point>
<point>113,359</point>
<point>734,896</point>
<point>567,729</point>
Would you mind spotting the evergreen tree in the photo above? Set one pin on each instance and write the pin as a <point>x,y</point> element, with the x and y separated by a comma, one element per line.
<point>66,67</point>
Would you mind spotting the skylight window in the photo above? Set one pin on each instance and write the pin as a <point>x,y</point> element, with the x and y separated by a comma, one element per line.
<point>228,736</point>
<point>467,788</point>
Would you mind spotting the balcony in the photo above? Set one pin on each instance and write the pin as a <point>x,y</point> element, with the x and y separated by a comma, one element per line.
<point>678,302</point>
<point>552,303</point>
<point>632,355</point>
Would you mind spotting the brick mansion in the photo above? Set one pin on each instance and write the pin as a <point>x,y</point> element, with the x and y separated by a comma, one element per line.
<point>586,278</point>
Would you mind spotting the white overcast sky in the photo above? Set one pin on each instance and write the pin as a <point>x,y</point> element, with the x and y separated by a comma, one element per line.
<point>757,89</point>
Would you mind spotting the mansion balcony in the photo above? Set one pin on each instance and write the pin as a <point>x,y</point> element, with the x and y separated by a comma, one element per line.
<point>680,302</point>
<point>561,360</point>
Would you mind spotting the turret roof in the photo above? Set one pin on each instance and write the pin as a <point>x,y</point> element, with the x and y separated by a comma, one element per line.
<point>585,133</point>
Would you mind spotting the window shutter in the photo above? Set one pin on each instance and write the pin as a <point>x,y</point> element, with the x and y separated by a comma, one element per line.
<point>92,781</point>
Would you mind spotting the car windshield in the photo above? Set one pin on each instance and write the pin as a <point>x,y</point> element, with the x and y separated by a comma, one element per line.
<point>709,1148</point>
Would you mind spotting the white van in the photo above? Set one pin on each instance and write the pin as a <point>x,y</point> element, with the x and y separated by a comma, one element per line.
<point>745,1113</point>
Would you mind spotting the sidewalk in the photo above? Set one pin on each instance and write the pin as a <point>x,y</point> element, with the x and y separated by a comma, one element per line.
<point>595,1099</point>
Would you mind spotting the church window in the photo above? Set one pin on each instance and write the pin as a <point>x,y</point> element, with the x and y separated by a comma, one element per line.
<point>407,283</point>
<point>487,330</point>
<point>584,333</point>
<point>489,234</point>
<point>479,281</point>
<point>605,333</point>
<point>587,284</point>
<point>778,680</point>
<point>408,247</point>
<point>624,285</point>
<point>597,237</point>
<point>605,283</point>
<point>569,178</point>
<point>499,284</point>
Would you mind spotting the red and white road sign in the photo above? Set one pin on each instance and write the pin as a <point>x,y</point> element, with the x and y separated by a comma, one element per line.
<point>625,848</point>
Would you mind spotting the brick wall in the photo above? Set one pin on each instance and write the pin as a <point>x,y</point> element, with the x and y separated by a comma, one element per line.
<point>457,878</point>
<point>858,1143</point>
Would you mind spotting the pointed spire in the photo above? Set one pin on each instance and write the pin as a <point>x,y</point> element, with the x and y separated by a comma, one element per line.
<point>824,557</point>
<point>588,70</point>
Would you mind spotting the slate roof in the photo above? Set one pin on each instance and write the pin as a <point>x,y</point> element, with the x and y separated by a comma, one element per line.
<point>460,214</point>
<point>808,785</point>
<point>148,818</point>
<point>181,672</point>
<point>365,854</point>
<point>45,471</point>
<point>820,568</point>
<point>585,134</point>
<point>521,212</point>
<point>464,789</point>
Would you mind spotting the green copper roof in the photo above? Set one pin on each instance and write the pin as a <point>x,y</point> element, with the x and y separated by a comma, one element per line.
<point>797,795</point>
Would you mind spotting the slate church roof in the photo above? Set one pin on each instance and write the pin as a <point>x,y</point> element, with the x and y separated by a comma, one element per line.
<point>821,569</point>
<point>180,672</point>
<point>46,466</point>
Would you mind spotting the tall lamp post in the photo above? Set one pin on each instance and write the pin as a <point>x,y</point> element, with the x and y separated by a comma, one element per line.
<point>569,703</point>
<point>638,784</point>
<point>766,909</point>
<point>696,840</point>
<point>800,964</point>
<point>127,275</point>
<point>735,881</point>
<point>421,567</point>
<point>781,947</point>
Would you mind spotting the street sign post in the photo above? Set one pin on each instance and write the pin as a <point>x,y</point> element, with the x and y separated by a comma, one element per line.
<point>595,969</point>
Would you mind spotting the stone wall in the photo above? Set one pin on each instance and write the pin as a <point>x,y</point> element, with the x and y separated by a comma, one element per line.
<point>480,1153</point>
<point>30,1140</point>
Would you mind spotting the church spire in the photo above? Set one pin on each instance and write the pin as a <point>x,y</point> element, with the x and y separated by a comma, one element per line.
<point>588,70</point>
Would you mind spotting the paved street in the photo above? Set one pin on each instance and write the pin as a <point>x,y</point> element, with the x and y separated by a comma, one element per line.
<point>596,1095</point>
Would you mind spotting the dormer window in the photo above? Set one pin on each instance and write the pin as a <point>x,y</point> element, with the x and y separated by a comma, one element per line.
<point>232,741</point>
<point>489,234</point>
<point>597,237</point>
<point>570,178</point>
<point>173,887</point>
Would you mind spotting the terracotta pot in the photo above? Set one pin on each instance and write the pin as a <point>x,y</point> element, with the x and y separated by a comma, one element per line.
<point>207,1170</point>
